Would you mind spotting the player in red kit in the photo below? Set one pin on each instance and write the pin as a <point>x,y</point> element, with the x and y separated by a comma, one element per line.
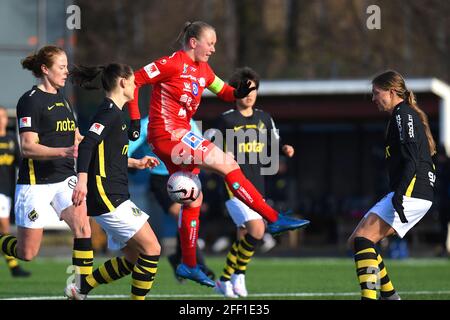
<point>178,83</point>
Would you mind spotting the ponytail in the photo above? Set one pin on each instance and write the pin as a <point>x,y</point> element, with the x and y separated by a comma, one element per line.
<point>85,76</point>
<point>424,118</point>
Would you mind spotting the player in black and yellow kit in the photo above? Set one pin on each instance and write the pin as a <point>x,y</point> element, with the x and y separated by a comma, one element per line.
<point>409,148</point>
<point>247,134</point>
<point>48,139</point>
<point>103,176</point>
<point>9,160</point>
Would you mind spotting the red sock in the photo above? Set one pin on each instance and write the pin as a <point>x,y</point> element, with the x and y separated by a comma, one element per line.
<point>245,191</point>
<point>188,229</point>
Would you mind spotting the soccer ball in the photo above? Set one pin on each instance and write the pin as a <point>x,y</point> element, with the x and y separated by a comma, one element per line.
<point>184,187</point>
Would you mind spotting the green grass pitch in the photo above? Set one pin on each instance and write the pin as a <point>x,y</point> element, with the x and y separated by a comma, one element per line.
<point>267,278</point>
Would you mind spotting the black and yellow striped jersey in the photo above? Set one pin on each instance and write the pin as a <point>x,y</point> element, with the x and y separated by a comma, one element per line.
<point>9,160</point>
<point>411,169</point>
<point>52,118</point>
<point>250,140</point>
<point>103,153</point>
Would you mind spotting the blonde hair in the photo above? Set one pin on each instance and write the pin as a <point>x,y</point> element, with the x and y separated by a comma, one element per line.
<point>392,80</point>
<point>192,30</point>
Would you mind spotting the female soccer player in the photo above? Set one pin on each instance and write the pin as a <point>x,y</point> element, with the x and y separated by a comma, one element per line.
<point>409,148</point>
<point>103,176</point>
<point>253,129</point>
<point>48,138</point>
<point>9,160</point>
<point>178,83</point>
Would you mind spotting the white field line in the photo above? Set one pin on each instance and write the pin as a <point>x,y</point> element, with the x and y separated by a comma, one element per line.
<point>256,295</point>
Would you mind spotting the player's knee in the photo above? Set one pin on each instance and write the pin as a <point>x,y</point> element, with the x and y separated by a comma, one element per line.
<point>258,231</point>
<point>152,249</point>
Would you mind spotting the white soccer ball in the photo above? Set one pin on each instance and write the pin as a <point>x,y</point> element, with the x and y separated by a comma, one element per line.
<point>184,187</point>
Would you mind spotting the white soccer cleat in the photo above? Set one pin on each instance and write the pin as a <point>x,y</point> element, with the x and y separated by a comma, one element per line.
<point>225,288</point>
<point>238,283</point>
<point>73,293</point>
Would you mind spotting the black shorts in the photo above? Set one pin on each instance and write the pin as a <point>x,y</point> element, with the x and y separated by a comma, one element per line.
<point>158,185</point>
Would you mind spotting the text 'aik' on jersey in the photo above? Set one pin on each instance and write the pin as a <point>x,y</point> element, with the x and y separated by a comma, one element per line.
<point>411,169</point>
<point>108,168</point>
<point>51,117</point>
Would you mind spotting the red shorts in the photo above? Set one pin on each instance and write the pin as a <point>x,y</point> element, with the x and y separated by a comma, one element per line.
<point>184,154</point>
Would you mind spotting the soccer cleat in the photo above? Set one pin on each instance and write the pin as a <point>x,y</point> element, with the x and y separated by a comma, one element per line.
<point>73,293</point>
<point>286,223</point>
<point>195,274</point>
<point>18,272</point>
<point>394,296</point>
<point>209,273</point>
<point>238,282</point>
<point>268,243</point>
<point>225,288</point>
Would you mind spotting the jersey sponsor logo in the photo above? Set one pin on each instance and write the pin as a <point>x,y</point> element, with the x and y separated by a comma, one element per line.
<point>136,212</point>
<point>152,70</point>
<point>192,140</point>
<point>195,89</point>
<point>33,215</point>
<point>65,125</point>
<point>186,100</point>
<point>202,82</point>
<point>398,119</point>
<point>182,113</point>
<point>253,146</point>
<point>58,104</point>
<point>410,126</point>
<point>187,87</point>
<point>97,128</point>
<point>246,126</point>
<point>72,182</point>
<point>7,145</point>
<point>6,159</point>
<point>188,76</point>
<point>25,122</point>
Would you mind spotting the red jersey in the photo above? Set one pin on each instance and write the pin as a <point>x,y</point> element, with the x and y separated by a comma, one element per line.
<point>178,83</point>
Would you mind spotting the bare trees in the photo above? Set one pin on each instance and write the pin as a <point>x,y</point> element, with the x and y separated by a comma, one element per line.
<point>279,38</point>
